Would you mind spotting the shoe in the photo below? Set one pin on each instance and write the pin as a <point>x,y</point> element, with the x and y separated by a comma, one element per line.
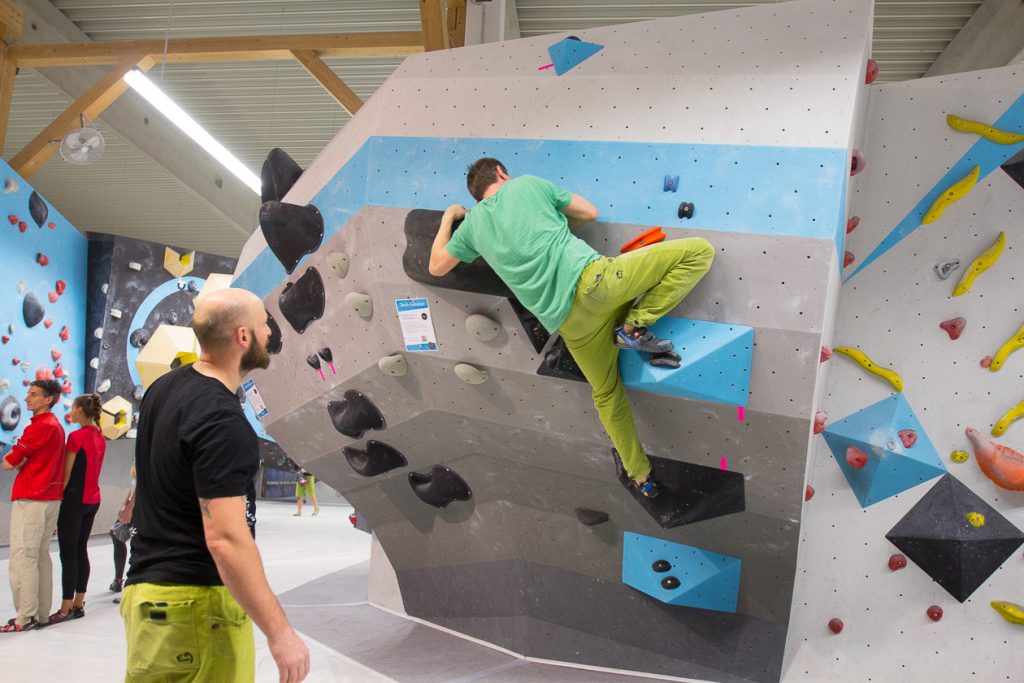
<point>57,617</point>
<point>316,512</point>
<point>13,627</point>
<point>649,489</point>
<point>668,359</point>
<point>297,514</point>
<point>641,339</point>
<point>78,612</point>
<point>116,585</point>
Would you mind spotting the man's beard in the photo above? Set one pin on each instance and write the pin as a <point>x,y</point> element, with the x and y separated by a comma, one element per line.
<point>256,356</point>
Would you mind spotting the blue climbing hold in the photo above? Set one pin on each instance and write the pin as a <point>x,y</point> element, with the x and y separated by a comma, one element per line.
<point>700,578</point>
<point>567,53</point>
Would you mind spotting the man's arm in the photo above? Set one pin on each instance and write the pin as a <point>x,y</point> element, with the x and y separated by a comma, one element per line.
<point>580,211</point>
<point>441,262</point>
<point>6,464</point>
<point>241,568</point>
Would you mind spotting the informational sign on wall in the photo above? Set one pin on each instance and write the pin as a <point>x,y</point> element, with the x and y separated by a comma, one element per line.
<point>252,394</point>
<point>417,326</point>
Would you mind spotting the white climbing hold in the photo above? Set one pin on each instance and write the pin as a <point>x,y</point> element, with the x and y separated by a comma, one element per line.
<point>104,288</point>
<point>10,186</point>
<point>338,261</point>
<point>5,384</point>
<point>131,433</point>
<point>362,304</point>
<point>135,265</point>
<point>25,367</point>
<point>98,333</point>
<point>482,327</point>
<point>115,313</point>
<point>471,375</point>
<point>94,364</point>
<point>21,287</point>
<point>394,365</point>
<point>68,403</point>
<point>103,387</point>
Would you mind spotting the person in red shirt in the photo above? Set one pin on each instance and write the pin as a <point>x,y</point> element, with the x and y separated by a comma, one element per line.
<point>36,495</point>
<point>84,458</point>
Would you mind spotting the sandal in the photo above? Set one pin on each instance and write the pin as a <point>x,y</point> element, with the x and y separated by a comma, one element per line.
<point>58,617</point>
<point>13,627</point>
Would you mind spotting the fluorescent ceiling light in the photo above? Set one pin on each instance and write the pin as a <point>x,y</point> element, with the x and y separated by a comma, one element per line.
<point>145,87</point>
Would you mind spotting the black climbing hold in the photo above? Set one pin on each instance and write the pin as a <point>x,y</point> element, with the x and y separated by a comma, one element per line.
<point>661,566</point>
<point>274,343</point>
<point>278,175</point>
<point>689,493</point>
<point>37,209</point>
<point>355,415</point>
<point>191,286</point>
<point>670,583</point>
<point>326,354</point>
<point>32,310</point>
<point>10,413</point>
<point>378,458</point>
<point>590,517</point>
<point>303,301</point>
<point>421,227</point>
<point>668,359</point>
<point>439,487</point>
<point>291,231</point>
<point>313,360</point>
<point>685,210</point>
<point>139,338</point>
<point>572,38</point>
<point>558,362</point>
<point>1014,168</point>
<point>535,330</point>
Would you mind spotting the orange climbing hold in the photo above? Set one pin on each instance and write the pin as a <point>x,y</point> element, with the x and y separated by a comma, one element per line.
<point>826,353</point>
<point>1001,464</point>
<point>848,258</point>
<point>808,492</point>
<point>856,458</point>
<point>908,437</point>
<point>646,238</point>
<point>852,224</point>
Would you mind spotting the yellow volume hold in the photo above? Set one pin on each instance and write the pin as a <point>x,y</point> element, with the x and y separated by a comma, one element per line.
<point>980,265</point>
<point>954,194</point>
<point>1014,413</point>
<point>1000,137</point>
<point>1010,611</point>
<point>862,359</point>
<point>1012,344</point>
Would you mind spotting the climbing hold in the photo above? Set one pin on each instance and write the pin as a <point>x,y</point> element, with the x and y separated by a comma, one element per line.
<point>277,175</point>
<point>139,338</point>
<point>48,323</point>
<point>569,52</point>
<point>132,265</point>
<point>856,458</point>
<point>274,343</point>
<point>1010,611</point>
<point>1009,346</point>
<point>103,387</point>
<point>955,193</point>
<point>820,421</point>
<point>44,373</point>
<point>64,334</point>
<point>835,625</point>
<point>959,456</point>
<point>338,261</point>
<point>376,459</point>
<point>53,297</point>
<point>808,492</point>
<point>685,210</point>
<point>52,226</point>
<point>671,183</point>
<point>908,437</point>
<point>590,517</point>
<point>32,310</point>
<point>670,583</point>
<point>1001,464</point>
<point>301,302</point>
<point>1014,413</point>
<point>42,259</point>
<point>871,73</point>
<point>1000,137</point>
<point>5,339</point>
<point>471,375</point>
<point>934,612</point>
<point>647,237</point>
<point>862,359</point>
<point>10,414</point>
<point>826,353</point>
<point>355,415</point>
<point>848,258</point>
<point>94,363</point>
<point>10,186</point>
<point>394,365</point>
<point>61,286</point>
<point>66,389</point>
<point>5,384</point>
<point>59,372</point>
<point>482,327</point>
<point>975,519</point>
<point>980,265</point>
<point>328,357</point>
<point>21,286</point>
<point>954,327</point>
<point>857,162</point>
<point>897,561</point>
<point>986,362</point>
<point>291,231</point>
<point>362,304</point>
<point>22,226</point>
<point>661,566</point>
<point>313,361</point>
<point>37,208</point>
<point>852,224</point>
<point>439,487</point>
<point>946,268</point>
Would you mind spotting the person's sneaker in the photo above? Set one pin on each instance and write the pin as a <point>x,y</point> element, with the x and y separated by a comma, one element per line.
<point>641,339</point>
<point>649,489</point>
<point>116,585</point>
<point>12,626</point>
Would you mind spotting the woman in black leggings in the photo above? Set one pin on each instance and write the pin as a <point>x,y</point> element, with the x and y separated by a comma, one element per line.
<point>85,450</point>
<point>124,518</point>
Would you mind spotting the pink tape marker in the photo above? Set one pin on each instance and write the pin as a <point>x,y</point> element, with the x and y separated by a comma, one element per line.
<point>739,413</point>
<point>320,370</point>
<point>333,371</point>
<point>722,463</point>
<point>546,66</point>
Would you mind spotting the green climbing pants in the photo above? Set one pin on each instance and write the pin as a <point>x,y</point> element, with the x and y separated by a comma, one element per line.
<point>638,287</point>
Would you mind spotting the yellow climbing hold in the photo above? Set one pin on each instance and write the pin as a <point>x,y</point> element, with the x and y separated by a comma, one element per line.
<point>976,519</point>
<point>959,456</point>
<point>862,359</point>
<point>980,265</point>
<point>1000,137</point>
<point>1012,344</point>
<point>1014,413</point>
<point>1010,611</point>
<point>954,194</point>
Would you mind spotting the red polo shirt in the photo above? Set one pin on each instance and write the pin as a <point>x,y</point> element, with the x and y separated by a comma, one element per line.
<point>42,444</point>
<point>88,443</point>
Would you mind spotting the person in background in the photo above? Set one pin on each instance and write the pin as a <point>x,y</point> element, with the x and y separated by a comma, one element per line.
<point>82,464</point>
<point>305,485</point>
<point>36,498</point>
<point>120,534</point>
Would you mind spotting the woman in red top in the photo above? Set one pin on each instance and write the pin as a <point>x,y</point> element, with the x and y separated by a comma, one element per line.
<point>84,458</point>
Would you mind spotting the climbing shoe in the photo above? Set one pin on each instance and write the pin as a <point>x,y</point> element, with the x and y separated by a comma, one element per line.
<point>641,339</point>
<point>649,489</point>
<point>13,626</point>
<point>669,359</point>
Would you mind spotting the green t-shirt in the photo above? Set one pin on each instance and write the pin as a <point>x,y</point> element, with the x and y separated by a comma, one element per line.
<point>523,235</point>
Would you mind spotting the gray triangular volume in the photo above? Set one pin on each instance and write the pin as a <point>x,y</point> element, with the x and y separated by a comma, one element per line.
<point>1015,168</point>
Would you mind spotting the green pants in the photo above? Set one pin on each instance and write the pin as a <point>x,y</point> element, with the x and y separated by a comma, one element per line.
<point>186,633</point>
<point>307,490</point>
<point>638,288</point>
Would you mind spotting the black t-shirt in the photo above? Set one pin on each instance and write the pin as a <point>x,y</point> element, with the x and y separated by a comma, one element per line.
<point>193,442</point>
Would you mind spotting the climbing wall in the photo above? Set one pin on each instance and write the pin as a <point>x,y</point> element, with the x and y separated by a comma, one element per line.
<point>922,493</point>
<point>42,311</point>
<point>480,465</point>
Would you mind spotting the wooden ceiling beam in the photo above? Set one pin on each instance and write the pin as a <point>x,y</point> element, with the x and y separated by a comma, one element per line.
<point>435,29</point>
<point>330,81</point>
<point>234,49</point>
<point>12,20</point>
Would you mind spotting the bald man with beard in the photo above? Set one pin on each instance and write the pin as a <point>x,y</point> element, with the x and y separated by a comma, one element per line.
<point>196,577</point>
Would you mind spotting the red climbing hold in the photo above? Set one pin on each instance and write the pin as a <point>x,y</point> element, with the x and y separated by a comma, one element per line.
<point>15,361</point>
<point>835,625</point>
<point>47,323</point>
<point>934,612</point>
<point>897,561</point>
<point>55,355</point>
<point>986,361</point>
<point>64,334</point>
<point>848,258</point>
<point>5,339</point>
<point>871,72</point>
<point>954,327</point>
<point>67,417</point>
<point>51,226</point>
<point>808,492</point>
<point>42,260</point>
<point>13,219</point>
<point>820,421</point>
<point>826,353</point>
<point>22,226</point>
<point>857,162</point>
<point>66,389</point>
<point>856,458</point>
<point>908,437</point>
<point>44,373</point>
<point>59,371</point>
<point>60,287</point>
<point>52,296</point>
<point>852,224</point>
<point>25,382</point>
